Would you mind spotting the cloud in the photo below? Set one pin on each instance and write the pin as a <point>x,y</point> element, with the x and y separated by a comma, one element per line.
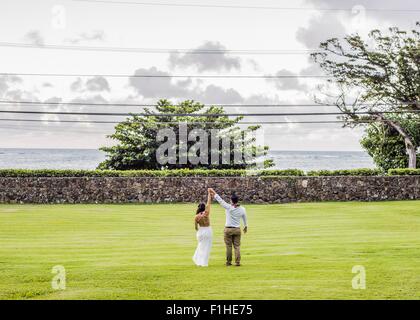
<point>217,95</point>
<point>320,29</point>
<point>34,37</point>
<point>361,18</point>
<point>53,100</point>
<point>158,87</point>
<point>76,85</point>
<point>20,95</point>
<point>313,69</point>
<point>94,84</point>
<point>287,83</point>
<point>372,4</point>
<point>96,35</point>
<point>356,19</point>
<point>93,99</point>
<point>97,84</point>
<point>181,90</point>
<point>6,82</point>
<point>205,62</point>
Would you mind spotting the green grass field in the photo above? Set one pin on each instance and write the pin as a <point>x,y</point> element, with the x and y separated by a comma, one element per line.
<point>292,251</point>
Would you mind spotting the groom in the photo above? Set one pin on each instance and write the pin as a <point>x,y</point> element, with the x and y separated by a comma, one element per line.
<point>232,234</point>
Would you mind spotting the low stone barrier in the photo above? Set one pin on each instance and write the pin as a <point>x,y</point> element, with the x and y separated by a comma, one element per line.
<point>193,189</point>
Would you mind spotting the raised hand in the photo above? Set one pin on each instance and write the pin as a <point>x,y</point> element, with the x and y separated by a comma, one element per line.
<point>211,192</point>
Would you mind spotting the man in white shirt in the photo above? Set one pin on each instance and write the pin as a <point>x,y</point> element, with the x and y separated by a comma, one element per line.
<point>232,233</point>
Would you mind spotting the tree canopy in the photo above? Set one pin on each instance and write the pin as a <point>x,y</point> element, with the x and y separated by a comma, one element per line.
<point>213,138</point>
<point>386,146</point>
<point>382,77</point>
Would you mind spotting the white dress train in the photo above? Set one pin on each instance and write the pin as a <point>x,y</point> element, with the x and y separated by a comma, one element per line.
<point>202,253</point>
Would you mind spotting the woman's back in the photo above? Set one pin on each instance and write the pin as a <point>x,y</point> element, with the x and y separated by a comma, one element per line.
<point>202,219</point>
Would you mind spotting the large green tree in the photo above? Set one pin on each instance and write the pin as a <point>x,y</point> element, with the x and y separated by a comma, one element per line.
<point>386,146</point>
<point>382,77</point>
<point>138,139</point>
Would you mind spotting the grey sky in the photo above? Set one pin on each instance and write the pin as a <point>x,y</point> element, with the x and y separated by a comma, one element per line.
<point>67,22</point>
<point>215,62</point>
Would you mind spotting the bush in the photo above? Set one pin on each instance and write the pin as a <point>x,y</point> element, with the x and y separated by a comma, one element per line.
<point>145,173</point>
<point>286,172</point>
<point>404,172</point>
<point>200,173</point>
<point>350,172</point>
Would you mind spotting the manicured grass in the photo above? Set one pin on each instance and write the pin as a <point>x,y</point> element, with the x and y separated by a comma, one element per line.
<point>292,251</point>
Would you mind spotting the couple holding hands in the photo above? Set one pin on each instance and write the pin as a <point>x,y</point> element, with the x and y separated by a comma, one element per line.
<point>232,233</point>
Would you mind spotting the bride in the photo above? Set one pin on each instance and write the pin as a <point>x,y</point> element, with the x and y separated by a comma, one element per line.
<point>204,233</point>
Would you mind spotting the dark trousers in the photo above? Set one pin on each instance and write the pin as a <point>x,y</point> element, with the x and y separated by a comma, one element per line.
<point>233,237</point>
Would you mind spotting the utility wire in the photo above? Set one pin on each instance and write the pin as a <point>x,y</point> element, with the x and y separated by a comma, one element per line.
<point>204,114</point>
<point>158,50</point>
<point>244,7</point>
<point>13,102</point>
<point>169,122</point>
<point>164,76</point>
<point>154,50</point>
<point>187,122</point>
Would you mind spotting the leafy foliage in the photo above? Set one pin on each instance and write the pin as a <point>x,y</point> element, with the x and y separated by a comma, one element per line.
<point>137,143</point>
<point>386,146</point>
<point>383,75</point>
<point>147,173</point>
<point>404,172</point>
<point>349,172</point>
<point>192,173</point>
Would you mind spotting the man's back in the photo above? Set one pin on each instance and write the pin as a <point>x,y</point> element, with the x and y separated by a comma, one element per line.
<point>232,232</point>
<point>234,214</point>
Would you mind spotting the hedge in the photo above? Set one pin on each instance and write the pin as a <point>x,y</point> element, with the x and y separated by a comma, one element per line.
<point>199,173</point>
<point>145,173</point>
<point>404,172</point>
<point>349,172</point>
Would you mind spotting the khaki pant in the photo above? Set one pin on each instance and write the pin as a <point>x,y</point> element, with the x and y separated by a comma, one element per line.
<point>233,236</point>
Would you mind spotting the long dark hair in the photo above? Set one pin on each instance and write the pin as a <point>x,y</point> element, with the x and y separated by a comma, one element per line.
<point>201,208</point>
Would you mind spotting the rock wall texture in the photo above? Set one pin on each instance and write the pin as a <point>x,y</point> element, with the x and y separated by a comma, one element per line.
<point>193,189</point>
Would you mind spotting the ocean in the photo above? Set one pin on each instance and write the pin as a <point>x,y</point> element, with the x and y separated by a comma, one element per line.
<point>90,158</point>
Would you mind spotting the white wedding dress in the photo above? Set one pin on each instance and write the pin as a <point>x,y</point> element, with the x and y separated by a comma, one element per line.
<point>202,253</point>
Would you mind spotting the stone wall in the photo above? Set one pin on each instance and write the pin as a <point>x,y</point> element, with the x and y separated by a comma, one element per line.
<point>190,189</point>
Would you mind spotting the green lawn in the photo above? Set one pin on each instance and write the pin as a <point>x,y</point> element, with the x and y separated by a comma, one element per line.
<point>292,251</point>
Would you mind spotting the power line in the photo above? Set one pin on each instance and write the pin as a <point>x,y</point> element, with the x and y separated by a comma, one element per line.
<point>203,114</point>
<point>243,7</point>
<point>169,122</point>
<point>81,104</point>
<point>60,121</point>
<point>187,122</point>
<point>153,50</point>
<point>164,76</point>
<point>14,102</point>
<point>159,50</point>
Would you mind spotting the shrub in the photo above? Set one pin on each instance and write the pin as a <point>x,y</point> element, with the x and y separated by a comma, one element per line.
<point>285,172</point>
<point>349,172</point>
<point>404,172</point>
<point>200,173</point>
<point>145,173</point>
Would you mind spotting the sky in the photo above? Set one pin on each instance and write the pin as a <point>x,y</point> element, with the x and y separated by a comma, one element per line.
<point>71,23</point>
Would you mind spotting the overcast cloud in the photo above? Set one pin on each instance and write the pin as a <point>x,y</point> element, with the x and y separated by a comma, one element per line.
<point>183,28</point>
<point>205,62</point>
<point>34,37</point>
